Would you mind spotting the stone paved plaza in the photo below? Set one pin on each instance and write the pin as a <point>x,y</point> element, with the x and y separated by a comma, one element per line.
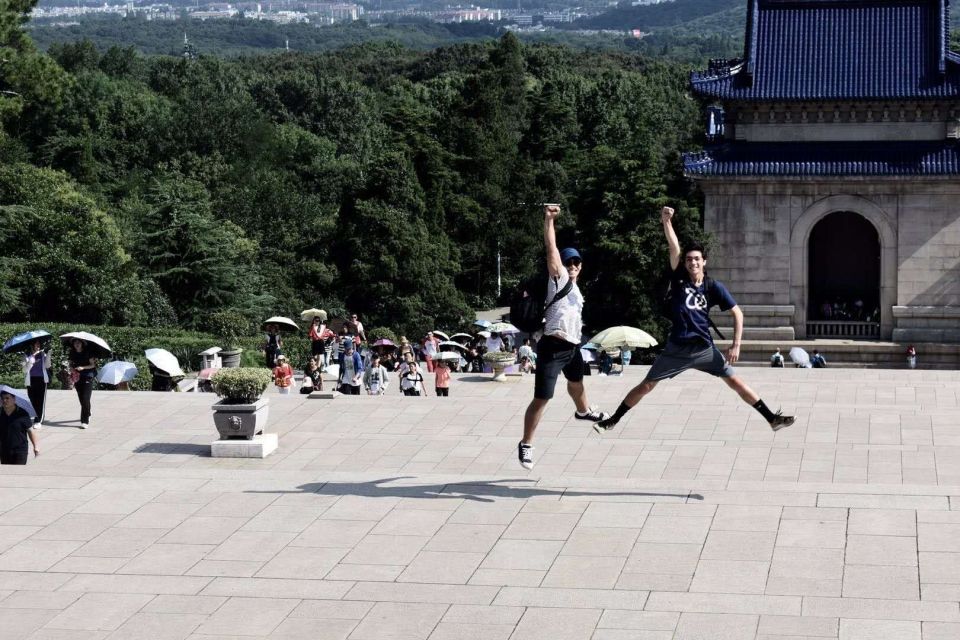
<point>409,518</point>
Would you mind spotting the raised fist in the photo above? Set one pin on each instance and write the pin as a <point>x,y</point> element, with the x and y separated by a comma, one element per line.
<point>666,214</point>
<point>551,211</point>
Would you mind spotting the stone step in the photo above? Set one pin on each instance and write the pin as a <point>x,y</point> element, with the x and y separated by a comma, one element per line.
<point>853,352</point>
<point>762,333</point>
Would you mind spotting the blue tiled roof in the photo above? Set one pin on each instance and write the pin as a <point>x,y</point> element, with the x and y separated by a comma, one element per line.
<point>800,159</point>
<point>839,49</point>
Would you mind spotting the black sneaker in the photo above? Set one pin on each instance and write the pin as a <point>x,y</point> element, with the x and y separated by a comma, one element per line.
<point>602,426</point>
<point>525,452</point>
<point>592,414</point>
<point>780,421</point>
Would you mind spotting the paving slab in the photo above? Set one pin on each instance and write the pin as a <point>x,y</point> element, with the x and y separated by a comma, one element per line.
<point>410,518</point>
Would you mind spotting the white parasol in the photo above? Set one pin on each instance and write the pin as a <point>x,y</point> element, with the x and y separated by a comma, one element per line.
<point>96,345</point>
<point>623,336</point>
<point>117,371</point>
<point>165,361</point>
<point>283,323</point>
<point>800,357</point>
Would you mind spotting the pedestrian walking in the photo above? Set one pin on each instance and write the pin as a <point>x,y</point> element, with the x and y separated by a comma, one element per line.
<point>375,378</point>
<point>358,332</point>
<point>559,348</point>
<point>36,366</point>
<point>431,347</point>
<point>273,346</point>
<point>351,370</point>
<point>411,380</point>
<point>690,345</point>
<point>818,361</point>
<point>442,378</point>
<point>318,338</point>
<point>16,432</point>
<point>83,371</point>
<point>283,375</point>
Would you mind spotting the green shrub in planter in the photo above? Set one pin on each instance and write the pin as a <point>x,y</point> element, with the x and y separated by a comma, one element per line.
<point>243,385</point>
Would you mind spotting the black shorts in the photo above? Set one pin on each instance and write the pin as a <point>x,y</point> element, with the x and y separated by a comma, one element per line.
<point>677,358</point>
<point>553,356</point>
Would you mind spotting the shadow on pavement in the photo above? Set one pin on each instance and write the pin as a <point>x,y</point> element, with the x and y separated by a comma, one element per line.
<point>476,491</point>
<point>202,450</point>
<point>75,424</point>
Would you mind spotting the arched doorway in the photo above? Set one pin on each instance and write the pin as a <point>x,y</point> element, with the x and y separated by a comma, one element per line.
<point>844,277</point>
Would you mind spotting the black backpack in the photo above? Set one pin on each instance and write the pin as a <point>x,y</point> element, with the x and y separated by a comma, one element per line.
<point>664,295</point>
<point>528,305</point>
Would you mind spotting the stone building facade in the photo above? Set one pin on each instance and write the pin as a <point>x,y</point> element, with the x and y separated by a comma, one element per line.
<point>831,176</point>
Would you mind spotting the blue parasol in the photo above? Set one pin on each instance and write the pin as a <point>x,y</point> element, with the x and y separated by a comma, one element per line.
<point>22,341</point>
<point>20,398</point>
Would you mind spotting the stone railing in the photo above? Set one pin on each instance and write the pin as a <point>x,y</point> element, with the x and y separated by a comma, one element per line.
<point>837,329</point>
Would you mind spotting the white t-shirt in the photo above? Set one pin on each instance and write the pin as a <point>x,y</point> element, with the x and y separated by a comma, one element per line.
<point>348,374</point>
<point>494,343</point>
<point>411,380</point>
<point>564,318</point>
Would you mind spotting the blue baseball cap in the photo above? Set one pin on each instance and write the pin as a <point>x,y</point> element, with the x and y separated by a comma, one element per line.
<point>568,253</point>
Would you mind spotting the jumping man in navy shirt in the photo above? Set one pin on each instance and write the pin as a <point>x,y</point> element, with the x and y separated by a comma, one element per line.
<point>690,345</point>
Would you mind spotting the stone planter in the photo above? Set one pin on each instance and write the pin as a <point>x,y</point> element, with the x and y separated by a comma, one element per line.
<point>231,359</point>
<point>499,361</point>
<point>241,420</point>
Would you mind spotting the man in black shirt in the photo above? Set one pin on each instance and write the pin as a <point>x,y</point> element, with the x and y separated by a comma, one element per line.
<point>16,432</point>
<point>690,345</point>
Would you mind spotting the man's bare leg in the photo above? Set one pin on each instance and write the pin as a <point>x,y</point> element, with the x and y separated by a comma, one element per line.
<point>531,418</point>
<point>579,395</point>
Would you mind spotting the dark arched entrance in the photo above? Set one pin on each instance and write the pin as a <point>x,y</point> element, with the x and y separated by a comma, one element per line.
<point>844,277</point>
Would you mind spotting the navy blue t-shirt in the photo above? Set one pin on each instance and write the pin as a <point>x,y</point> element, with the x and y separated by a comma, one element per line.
<point>690,306</point>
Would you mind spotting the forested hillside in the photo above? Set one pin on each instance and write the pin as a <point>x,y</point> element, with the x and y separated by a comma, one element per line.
<point>153,190</point>
<point>648,17</point>
<point>232,37</point>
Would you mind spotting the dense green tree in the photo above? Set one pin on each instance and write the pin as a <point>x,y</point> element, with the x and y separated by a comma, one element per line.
<point>376,178</point>
<point>202,264</point>
<point>28,78</point>
<point>69,257</point>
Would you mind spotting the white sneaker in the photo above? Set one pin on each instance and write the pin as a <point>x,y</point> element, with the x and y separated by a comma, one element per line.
<point>84,425</point>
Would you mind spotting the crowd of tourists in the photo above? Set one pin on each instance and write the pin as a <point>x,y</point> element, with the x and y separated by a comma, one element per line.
<point>363,366</point>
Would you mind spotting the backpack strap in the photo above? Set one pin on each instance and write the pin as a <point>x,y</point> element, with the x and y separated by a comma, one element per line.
<point>562,293</point>
<point>709,282</point>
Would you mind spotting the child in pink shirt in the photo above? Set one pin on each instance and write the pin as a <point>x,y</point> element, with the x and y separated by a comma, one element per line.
<point>442,373</point>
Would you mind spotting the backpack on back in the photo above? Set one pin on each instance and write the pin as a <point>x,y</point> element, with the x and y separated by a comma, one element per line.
<point>528,305</point>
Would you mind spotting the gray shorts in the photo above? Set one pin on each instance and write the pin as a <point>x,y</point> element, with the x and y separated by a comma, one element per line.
<point>677,358</point>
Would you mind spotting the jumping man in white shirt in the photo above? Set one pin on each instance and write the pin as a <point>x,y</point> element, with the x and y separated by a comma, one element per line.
<point>559,348</point>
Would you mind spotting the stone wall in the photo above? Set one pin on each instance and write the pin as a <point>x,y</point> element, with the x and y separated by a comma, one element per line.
<point>760,229</point>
